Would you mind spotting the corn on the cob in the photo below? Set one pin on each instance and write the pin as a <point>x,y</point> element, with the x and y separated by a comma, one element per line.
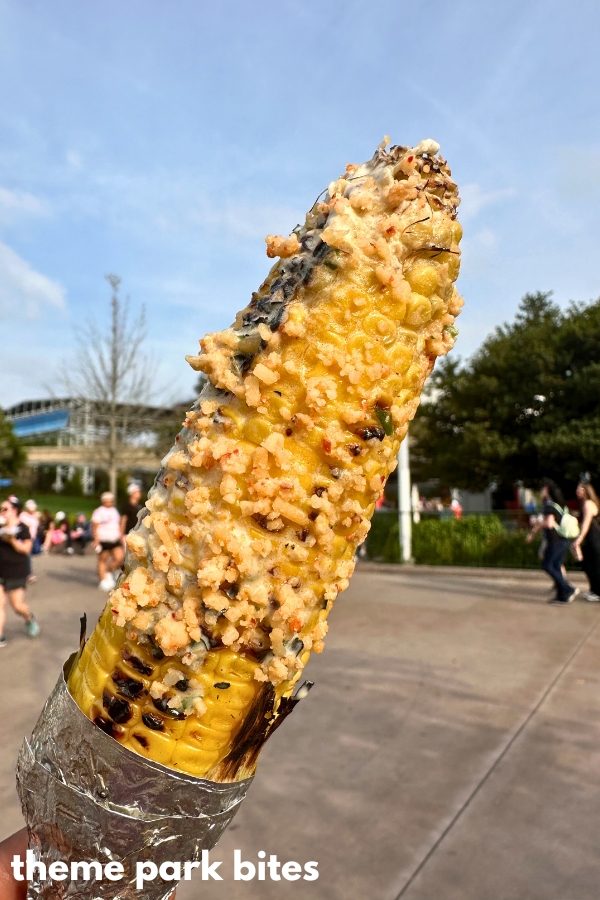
<point>251,528</point>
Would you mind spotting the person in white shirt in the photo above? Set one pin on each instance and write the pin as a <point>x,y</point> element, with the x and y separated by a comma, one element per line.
<point>106,529</point>
<point>31,517</point>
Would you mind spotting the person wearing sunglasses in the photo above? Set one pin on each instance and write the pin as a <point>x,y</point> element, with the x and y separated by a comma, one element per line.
<point>15,547</point>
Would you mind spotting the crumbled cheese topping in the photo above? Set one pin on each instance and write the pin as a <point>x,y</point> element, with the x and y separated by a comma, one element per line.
<point>254,519</point>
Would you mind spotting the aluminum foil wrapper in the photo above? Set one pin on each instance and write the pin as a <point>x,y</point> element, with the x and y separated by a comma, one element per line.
<point>85,798</point>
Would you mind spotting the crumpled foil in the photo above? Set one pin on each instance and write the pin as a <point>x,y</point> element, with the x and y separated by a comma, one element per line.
<point>85,798</point>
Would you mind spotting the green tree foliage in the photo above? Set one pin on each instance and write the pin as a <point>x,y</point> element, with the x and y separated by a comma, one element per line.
<point>12,453</point>
<point>526,405</point>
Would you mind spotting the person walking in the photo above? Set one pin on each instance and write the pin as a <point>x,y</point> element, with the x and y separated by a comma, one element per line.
<point>43,528</point>
<point>131,509</point>
<point>15,547</point>
<point>586,547</point>
<point>106,530</point>
<point>556,546</point>
<point>31,517</point>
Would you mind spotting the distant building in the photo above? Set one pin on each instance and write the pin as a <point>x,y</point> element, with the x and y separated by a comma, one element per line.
<point>34,418</point>
<point>60,431</point>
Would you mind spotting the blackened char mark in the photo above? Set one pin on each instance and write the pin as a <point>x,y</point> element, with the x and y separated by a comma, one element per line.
<point>162,704</point>
<point>286,706</point>
<point>109,727</point>
<point>117,708</point>
<point>250,738</point>
<point>273,318</point>
<point>370,432</point>
<point>321,250</point>
<point>259,725</point>
<point>126,685</point>
<point>254,318</point>
<point>277,318</point>
<point>155,651</point>
<point>289,288</point>
<point>296,646</point>
<point>155,723</point>
<point>243,361</point>
<point>310,241</point>
<point>231,590</point>
<point>264,304</point>
<point>82,632</point>
<point>136,663</point>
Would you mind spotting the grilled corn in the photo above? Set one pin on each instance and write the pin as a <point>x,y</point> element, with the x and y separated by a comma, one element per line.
<point>250,530</point>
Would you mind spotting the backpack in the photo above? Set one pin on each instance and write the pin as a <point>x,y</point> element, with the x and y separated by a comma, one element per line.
<point>569,526</point>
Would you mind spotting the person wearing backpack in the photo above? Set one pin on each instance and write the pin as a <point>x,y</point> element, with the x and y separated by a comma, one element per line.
<point>559,528</point>
<point>586,548</point>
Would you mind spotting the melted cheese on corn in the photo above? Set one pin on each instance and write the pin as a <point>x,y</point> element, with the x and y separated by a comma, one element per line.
<point>251,528</point>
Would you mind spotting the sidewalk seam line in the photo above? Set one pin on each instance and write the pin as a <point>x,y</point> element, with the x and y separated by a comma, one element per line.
<point>496,762</point>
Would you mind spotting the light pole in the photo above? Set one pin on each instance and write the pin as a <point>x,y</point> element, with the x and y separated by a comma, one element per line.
<point>404,503</point>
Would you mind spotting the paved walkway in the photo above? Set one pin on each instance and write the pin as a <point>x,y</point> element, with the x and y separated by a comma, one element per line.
<point>450,749</point>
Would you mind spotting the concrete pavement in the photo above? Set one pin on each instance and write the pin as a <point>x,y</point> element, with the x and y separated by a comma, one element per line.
<point>450,748</point>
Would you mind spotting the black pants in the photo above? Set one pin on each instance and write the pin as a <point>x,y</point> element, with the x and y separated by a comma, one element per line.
<point>590,548</point>
<point>552,562</point>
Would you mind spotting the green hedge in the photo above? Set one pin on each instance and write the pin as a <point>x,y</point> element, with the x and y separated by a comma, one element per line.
<point>472,541</point>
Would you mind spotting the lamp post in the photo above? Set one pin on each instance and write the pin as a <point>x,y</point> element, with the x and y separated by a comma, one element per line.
<point>404,503</point>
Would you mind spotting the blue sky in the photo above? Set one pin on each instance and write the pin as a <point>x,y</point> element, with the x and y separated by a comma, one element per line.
<point>163,139</point>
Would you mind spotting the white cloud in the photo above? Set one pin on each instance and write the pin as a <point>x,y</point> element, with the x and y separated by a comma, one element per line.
<point>479,252</point>
<point>486,238</point>
<point>16,204</point>
<point>473,199</point>
<point>74,159</point>
<point>250,221</point>
<point>23,290</point>
<point>579,173</point>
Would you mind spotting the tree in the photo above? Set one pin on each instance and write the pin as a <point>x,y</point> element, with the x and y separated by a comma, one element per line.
<point>171,424</point>
<point>525,405</point>
<point>113,379</point>
<point>12,453</point>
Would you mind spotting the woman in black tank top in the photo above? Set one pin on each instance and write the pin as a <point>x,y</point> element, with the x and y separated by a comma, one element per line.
<point>586,548</point>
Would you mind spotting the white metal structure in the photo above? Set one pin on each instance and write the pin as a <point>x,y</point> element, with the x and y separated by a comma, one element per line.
<point>404,503</point>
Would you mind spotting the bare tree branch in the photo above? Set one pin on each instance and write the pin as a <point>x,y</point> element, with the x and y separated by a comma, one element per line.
<point>112,376</point>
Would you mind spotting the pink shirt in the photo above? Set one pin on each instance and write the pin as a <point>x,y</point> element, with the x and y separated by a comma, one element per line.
<point>32,520</point>
<point>108,524</point>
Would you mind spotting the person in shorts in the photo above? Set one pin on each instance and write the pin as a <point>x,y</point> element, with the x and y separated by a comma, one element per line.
<point>106,529</point>
<point>31,517</point>
<point>15,547</point>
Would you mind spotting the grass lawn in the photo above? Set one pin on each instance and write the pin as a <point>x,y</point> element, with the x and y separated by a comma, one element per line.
<point>55,502</point>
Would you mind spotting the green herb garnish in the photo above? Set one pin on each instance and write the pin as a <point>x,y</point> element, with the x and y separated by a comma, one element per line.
<point>385,418</point>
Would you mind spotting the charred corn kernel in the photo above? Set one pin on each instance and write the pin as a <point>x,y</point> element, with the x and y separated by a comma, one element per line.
<point>252,524</point>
